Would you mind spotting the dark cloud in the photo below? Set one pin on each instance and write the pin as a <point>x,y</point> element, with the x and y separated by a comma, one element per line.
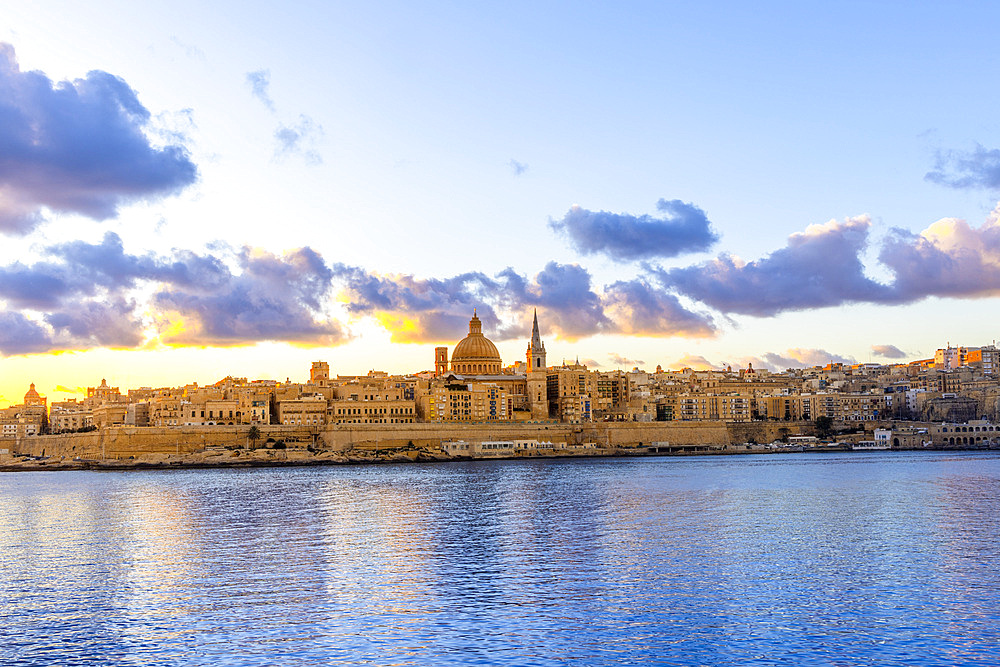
<point>106,264</point>
<point>819,267</point>
<point>97,324</point>
<point>273,298</point>
<point>572,308</point>
<point>299,139</point>
<point>39,286</point>
<point>436,310</point>
<point>77,147</point>
<point>624,237</point>
<point>418,310</point>
<point>260,86</point>
<point>978,168</point>
<point>888,351</point>
<point>637,308</point>
<point>83,298</point>
<point>517,168</point>
<point>423,310</point>
<point>20,335</point>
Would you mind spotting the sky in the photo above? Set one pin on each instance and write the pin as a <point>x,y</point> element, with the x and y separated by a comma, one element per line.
<point>193,190</point>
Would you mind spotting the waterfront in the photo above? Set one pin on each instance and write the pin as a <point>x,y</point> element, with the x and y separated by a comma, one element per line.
<point>859,558</point>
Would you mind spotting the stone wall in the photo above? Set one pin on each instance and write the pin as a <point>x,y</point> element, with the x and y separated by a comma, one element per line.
<point>121,442</point>
<point>126,441</point>
<point>613,434</point>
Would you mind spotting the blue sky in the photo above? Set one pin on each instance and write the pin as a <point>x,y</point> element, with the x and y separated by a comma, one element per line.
<point>189,191</point>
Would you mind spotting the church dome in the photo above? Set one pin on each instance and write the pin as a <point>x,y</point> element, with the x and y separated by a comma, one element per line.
<point>476,353</point>
<point>31,397</point>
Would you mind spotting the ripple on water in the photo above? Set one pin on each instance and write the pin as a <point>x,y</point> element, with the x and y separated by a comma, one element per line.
<point>811,560</point>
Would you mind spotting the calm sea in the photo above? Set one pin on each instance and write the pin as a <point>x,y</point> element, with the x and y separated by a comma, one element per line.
<point>810,559</point>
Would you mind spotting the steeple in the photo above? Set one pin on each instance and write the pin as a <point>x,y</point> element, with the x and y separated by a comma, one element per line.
<point>536,348</point>
<point>536,338</point>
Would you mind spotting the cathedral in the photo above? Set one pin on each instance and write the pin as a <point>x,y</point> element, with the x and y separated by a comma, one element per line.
<point>476,360</point>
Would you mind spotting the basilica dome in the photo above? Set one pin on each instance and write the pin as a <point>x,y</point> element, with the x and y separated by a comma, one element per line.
<point>32,397</point>
<point>476,354</point>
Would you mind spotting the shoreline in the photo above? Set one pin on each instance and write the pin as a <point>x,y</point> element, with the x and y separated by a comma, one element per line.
<point>255,458</point>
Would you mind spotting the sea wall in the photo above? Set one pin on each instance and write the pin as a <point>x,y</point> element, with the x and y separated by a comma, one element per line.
<point>122,442</point>
<point>119,442</point>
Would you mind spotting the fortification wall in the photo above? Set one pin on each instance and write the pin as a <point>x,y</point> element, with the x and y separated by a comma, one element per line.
<point>614,434</point>
<point>126,441</point>
<point>121,442</point>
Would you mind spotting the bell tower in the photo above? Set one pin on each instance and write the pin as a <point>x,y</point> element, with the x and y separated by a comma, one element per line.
<point>536,349</point>
<point>536,377</point>
<point>440,361</point>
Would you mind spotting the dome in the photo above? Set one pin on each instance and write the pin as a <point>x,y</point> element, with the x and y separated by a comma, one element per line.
<point>475,353</point>
<point>31,397</point>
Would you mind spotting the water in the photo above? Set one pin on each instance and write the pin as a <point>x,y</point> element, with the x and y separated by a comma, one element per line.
<point>850,559</point>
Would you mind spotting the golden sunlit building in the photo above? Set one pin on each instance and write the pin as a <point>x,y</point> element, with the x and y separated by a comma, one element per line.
<point>453,401</point>
<point>476,354</point>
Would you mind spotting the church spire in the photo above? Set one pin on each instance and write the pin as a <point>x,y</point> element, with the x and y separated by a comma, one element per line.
<point>536,348</point>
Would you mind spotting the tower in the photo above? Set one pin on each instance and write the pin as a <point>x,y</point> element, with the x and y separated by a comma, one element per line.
<point>536,348</point>
<point>440,361</point>
<point>536,376</point>
<point>319,373</point>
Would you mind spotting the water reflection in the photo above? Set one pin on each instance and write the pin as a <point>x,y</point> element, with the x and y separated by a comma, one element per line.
<point>840,559</point>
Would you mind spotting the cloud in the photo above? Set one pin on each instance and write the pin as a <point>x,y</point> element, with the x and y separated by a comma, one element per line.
<point>637,308</point>
<point>77,147</point>
<point>259,82</point>
<point>978,168</point>
<point>189,50</point>
<point>418,310</point>
<point>63,389</point>
<point>818,268</point>
<point>695,362</point>
<point>85,297</point>
<point>572,309</point>
<point>274,298</point>
<point>299,139</point>
<point>624,237</point>
<point>40,286</point>
<point>20,335</point>
<point>517,168</point>
<point>97,324</point>
<point>949,259</point>
<point>888,352</point>
<point>802,358</point>
<point>436,310</point>
<point>619,360</point>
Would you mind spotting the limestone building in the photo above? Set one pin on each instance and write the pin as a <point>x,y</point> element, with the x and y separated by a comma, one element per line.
<point>478,387</point>
<point>476,354</point>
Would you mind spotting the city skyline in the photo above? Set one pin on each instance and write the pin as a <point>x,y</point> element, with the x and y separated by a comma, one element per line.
<point>666,185</point>
<point>943,359</point>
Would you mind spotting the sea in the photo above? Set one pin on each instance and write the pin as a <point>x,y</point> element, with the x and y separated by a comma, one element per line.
<point>852,558</point>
